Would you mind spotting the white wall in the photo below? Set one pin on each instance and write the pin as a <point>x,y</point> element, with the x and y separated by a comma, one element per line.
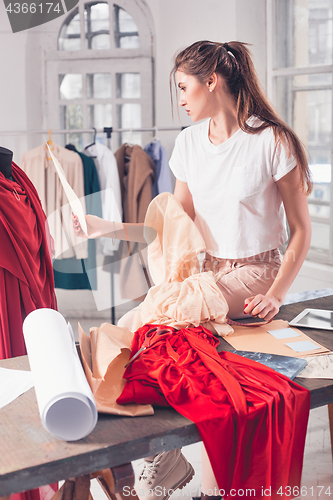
<point>180,23</point>
<point>175,24</point>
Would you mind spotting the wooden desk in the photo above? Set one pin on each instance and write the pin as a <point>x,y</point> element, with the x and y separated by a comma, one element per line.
<point>31,457</point>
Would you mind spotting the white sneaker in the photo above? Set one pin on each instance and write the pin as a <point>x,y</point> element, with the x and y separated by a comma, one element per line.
<point>163,474</point>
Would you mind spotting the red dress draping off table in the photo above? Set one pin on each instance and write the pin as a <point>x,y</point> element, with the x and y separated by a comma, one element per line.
<point>251,419</point>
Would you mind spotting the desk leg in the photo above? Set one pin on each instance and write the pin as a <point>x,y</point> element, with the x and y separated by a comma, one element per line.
<point>117,483</point>
<point>330,421</point>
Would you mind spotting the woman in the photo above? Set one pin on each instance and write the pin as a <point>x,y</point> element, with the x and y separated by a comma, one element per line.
<point>233,173</point>
<point>238,173</point>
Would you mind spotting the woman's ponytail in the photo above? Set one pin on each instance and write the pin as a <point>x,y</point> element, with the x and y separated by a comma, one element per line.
<point>233,61</point>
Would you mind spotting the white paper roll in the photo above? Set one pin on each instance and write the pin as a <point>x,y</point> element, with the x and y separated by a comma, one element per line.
<point>65,401</point>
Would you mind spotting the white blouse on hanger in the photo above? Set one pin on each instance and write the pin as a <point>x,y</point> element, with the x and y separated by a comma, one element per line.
<point>108,175</point>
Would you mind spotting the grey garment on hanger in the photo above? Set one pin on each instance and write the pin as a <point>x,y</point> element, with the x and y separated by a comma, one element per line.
<point>159,155</point>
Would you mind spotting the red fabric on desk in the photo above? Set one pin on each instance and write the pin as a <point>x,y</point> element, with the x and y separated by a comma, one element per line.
<point>26,274</point>
<point>251,419</point>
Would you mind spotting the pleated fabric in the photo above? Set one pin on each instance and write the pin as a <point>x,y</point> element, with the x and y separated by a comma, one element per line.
<point>251,419</point>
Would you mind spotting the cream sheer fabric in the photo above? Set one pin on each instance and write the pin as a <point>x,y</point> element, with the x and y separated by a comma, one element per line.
<point>182,295</point>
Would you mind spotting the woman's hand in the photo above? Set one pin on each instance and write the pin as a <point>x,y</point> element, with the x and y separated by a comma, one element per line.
<point>77,227</point>
<point>262,306</point>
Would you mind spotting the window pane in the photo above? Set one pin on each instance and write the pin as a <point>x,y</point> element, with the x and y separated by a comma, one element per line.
<point>129,42</point>
<point>71,118</point>
<point>128,85</point>
<point>99,17</point>
<point>100,42</point>
<point>308,112</point>
<point>71,44</point>
<point>304,32</point>
<point>320,237</point>
<point>99,85</point>
<point>130,138</point>
<point>126,22</point>
<point>321,175</point>
<point>319,210</point>
<point>100,115</point>
<point>73,28</point>
<point>316,80</point>
<point>125,30</point>
<point>129,115</point>
<point>97,26</point>
<point>70,86</point>
<point>69,38</point>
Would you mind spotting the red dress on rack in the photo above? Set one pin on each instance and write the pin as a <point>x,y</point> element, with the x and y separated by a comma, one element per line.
<point>251,419</point>
<point>26,274</point>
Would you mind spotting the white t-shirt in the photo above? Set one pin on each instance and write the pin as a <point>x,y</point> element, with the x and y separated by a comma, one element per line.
<point>238,206</point>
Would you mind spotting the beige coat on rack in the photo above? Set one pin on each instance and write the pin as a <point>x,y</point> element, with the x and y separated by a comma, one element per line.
<point>136,182</point>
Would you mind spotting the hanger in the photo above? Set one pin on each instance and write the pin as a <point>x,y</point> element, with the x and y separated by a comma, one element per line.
<point>156,138</point>
<point>129,143</point>
<point>71,147</point>
<point>93,143</point>
<point>94,139</point>
<point>50,143</point>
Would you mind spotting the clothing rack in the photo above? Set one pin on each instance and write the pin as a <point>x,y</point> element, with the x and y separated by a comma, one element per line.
<point>108,131</point>
<point>89,130</point>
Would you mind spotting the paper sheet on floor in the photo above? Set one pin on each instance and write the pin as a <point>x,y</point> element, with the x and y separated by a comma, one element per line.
<point>66,403</point>
<point>13,383</point>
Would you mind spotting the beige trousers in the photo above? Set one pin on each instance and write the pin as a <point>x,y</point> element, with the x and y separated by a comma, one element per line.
<point>243,278</point>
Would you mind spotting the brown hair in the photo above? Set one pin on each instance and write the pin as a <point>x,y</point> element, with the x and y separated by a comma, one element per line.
<point>233,62</point>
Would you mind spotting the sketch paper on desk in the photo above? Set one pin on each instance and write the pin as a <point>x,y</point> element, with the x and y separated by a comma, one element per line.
<point>318,367</point>
<point>73,200</point>
<point>66,404</point>
<point>259,340</point>
<point>288,366</point>
<point>13,383</point>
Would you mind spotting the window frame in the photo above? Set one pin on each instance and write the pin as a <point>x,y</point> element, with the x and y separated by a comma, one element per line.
<point>272,74</point>
<point>113,60</point>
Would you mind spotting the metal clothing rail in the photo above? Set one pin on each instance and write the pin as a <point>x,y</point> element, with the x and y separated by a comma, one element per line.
<point>88,130</point>
<point>106,130</point>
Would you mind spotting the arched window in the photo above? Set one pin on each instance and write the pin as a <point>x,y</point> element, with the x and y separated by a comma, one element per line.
<point>101,73</point>
<point>97,22</point>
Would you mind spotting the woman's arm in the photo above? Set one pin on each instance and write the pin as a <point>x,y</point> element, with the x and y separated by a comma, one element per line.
<point>98,228</point>
<point>297,212</point>
<point>183,195</point>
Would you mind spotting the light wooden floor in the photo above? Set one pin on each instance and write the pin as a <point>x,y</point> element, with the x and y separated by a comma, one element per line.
<point>317,478</point>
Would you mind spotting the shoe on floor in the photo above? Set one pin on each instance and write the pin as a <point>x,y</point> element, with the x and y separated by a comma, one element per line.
<point>163,474</point>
